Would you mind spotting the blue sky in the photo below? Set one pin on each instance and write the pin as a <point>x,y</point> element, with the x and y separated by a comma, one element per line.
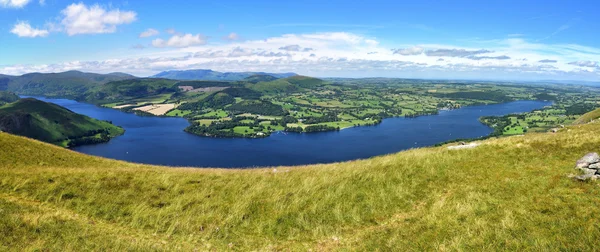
<point>414,39</point>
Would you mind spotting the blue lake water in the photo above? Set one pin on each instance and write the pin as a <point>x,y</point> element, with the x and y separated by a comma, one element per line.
<point>162,141</point>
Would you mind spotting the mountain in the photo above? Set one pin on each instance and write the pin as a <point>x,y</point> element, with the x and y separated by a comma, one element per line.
<point>53,124</point>
<point>206,74</point>
<point>69,84</point>
<point>511,193</point>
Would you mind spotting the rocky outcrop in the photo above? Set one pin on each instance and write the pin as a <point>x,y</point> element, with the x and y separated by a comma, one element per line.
<point>590,166</point>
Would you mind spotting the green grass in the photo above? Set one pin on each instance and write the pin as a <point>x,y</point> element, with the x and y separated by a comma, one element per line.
<point>177,112</point>
<point>217,113</point>
<point>243,130</point>
<point>421,199</point>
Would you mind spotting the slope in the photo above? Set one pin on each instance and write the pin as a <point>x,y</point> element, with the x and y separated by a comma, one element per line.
<point>507,194</point>
<point>53,124</point>
<point>287,85</point>
<point>588,117</point>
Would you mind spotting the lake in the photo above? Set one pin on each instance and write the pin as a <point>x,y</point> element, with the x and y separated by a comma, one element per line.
<point>162,141</point>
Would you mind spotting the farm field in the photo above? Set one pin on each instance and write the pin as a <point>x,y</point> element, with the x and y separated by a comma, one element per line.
<point>305,104</point>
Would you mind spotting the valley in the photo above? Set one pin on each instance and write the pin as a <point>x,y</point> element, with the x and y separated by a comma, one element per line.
<point>256,105</point>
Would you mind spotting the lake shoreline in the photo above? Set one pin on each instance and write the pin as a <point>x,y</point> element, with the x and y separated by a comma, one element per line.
<point>163,141</point>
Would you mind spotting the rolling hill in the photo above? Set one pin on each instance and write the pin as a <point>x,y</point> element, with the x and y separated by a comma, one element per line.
<point>511,193</point>
<point>53,124</point>
<point>287,85</point>
<point>207,74</point>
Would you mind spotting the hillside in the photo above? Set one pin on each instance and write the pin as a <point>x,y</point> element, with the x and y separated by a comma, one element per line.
<point>7,97</point>
<point>588,117</point>
<point>207,74</point>
<point>259,78</point>
<point>66,84</point>
<point>510,194</point>
<point>287,85</point>
<point>133,88</point>
<point>54,124</point>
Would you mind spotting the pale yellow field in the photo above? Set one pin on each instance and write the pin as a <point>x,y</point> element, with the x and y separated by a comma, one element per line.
<point>156,109</point>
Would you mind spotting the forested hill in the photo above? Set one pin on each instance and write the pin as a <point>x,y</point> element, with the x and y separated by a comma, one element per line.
<point>52,123</point>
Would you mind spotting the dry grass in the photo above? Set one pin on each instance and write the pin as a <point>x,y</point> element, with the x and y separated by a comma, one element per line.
<point>506,194</point>
<point>156,109</point>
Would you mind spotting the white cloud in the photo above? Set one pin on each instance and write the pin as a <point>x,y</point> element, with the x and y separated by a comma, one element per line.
<point>415,50</point>
<point>350,55</point>
<point>13,3</point>
<point>81,19</point>
<point>232,36</point>
<point>24,29</point>
<point>149,33</point>
<point>185,40</point>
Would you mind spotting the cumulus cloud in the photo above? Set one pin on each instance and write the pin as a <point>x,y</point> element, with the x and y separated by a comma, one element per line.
<point>547,61</point>
<point>415,50</point>
<point>291,48</point>
<point>24,29</point>
<point>149,33</point>
<point>295,48</point>
<point>232,36</point>
<point>344,54</point>
<point>13,3</point>
<point>584,63</point>
<point>82,19</point>
<point>461,53</point>
<point>185,40</point>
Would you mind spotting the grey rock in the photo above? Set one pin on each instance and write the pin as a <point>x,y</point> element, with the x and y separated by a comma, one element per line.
<point>594,166</point>
<point>582,165</point>
<point>590,158</point>
<point>585,177</point>
<point>588,171</point>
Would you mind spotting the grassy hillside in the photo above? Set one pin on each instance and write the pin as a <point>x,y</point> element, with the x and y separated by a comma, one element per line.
<point>259,78</point>
<point>53,124</point>
<point>507,194</point>
<point>305,81</point>
<point>287,85</point>
<point>588,117</point>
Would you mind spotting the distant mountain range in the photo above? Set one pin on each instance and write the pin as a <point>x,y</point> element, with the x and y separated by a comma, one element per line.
<point>206,74</point>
